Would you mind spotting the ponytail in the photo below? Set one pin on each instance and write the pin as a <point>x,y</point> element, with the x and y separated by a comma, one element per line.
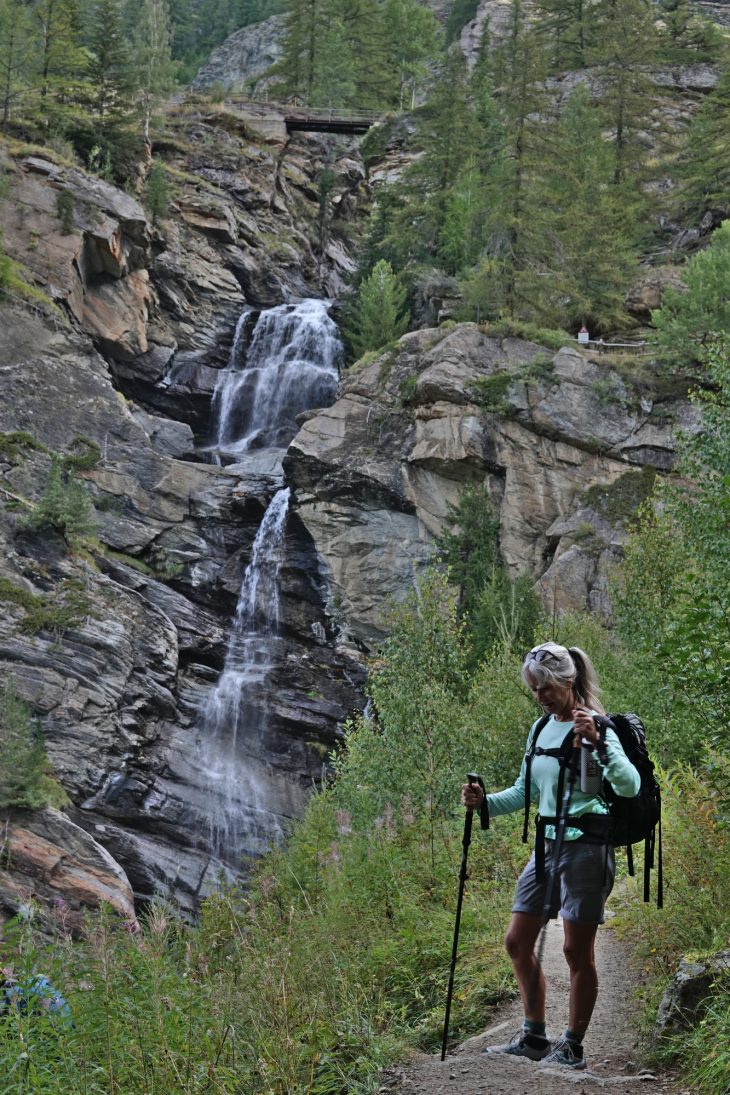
<point>586,685</point>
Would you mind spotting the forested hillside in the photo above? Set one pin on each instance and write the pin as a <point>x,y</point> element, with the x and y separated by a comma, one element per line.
<point>478,484</point>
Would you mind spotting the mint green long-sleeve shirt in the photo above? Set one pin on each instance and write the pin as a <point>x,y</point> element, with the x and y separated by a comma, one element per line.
<point>619,771</point>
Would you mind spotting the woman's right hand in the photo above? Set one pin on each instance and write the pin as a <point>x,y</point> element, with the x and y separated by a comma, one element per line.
<point>472,795</point>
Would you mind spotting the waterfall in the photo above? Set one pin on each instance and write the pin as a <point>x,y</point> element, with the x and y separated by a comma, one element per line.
<point>234,719</point>
<point>290,366</point>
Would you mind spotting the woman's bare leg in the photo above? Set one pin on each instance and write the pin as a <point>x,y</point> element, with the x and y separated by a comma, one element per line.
<point>580,955</point>
<point>520,940</point>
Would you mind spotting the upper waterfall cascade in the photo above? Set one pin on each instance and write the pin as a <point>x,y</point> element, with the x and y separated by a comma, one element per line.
<point>290,366</point>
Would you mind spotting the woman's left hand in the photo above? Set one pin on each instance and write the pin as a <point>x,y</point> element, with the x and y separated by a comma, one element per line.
<point>585,727</point>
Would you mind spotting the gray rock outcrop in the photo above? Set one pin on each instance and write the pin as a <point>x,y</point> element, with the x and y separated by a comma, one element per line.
<point>246,55</point>
<point>558,440</point>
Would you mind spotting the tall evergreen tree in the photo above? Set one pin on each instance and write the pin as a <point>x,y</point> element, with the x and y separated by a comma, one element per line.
<point>684,35</point>
<point>519,67</point>
<point>624,49</point>
<point>585,235</point>
<point>61,56</point>
<point>18,54</point>
<point>567,25</point>
<point>705,160</point>
<point>412,38</point>
<point>109,67</point>
<point>437,183</point>
<point>378,313</point>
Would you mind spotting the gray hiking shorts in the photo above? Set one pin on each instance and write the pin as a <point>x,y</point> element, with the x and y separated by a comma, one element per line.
<point>585,879</point>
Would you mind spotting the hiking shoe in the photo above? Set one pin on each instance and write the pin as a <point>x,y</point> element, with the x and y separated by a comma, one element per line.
<point>565,1053</point>
<point>523,1044</point>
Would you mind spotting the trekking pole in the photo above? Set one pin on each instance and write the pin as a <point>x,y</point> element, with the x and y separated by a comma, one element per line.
<point>472,778</point>
<point>562,822</point>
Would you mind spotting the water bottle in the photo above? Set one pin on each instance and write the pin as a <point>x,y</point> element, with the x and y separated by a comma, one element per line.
<point>591,777</point>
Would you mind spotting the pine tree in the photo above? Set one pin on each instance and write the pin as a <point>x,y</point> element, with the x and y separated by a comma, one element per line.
<point>624,49</point>
<point>412,37</point>
<point>435,188</point>
<point>61,56</point>
<point>18,51</point>
<point>378,314</point>
<point>518,72</point>
<point>585,229</point>
<point>568,27</point>
<point>705,161</point>
<point>23,763</point>
<point>157,191</point>
<point>305,29</point>
<point>684,36</point>
<point>109,67</point>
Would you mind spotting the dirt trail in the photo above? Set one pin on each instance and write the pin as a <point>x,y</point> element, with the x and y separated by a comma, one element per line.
<point>609,1045</point>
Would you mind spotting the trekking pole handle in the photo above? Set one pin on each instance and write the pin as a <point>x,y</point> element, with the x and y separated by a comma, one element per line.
<point>474,779</point>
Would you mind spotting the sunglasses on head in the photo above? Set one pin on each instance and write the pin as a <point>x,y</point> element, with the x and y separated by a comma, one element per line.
<point>540,655</point>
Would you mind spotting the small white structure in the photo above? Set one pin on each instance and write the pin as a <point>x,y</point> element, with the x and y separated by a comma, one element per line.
<point>583,336</point>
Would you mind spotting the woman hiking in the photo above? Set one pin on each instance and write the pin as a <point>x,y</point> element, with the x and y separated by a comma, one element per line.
<point>564,683</point>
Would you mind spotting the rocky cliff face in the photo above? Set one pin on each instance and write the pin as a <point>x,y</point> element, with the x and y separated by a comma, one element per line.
<point>565,445</point>
<point>131,626</point>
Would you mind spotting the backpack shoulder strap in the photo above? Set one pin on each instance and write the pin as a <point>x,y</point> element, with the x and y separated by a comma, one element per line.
<point>531,747</point>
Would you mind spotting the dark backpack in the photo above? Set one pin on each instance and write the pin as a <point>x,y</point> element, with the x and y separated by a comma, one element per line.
<point>631,819</point>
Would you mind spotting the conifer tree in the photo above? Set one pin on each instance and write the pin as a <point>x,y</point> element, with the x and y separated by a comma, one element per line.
<point>684,36</point>
<point>378,314</point>
<point>705,161</point>
<point>61,56</point>
<point>518,72</point>
<point>18,52</point>
<point>157,191</point>
<point>567,25</point>
<point>688,322</point>
<point>625,47</point>
<point>436,207</point>
<point>412,35</point>
<point>584,235</point>
<point>109,67</point>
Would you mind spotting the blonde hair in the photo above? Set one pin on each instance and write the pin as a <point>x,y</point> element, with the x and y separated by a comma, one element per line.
<point>550,663</point>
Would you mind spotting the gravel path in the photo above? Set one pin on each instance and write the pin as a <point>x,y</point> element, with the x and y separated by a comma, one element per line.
<point>609,1044</point>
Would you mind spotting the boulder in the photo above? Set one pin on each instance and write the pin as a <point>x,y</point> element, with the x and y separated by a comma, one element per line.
<point>54,870</point>
<point>689,992</point>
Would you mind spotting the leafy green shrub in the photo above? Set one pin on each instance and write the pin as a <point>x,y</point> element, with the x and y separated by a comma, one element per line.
<point>56,612</point>
<point>82,454</point>
<point>14,444</point>
<point>157,191</point>
<point>491,392</point>
<point>65,504</point>
<point>24,774</point>
<point>65,210</point>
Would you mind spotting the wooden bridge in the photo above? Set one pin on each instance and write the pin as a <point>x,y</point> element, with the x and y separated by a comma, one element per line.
<point>297,117</point>
<point>328,120</point>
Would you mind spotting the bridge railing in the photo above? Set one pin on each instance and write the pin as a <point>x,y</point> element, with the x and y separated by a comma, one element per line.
<point>305,113</point>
